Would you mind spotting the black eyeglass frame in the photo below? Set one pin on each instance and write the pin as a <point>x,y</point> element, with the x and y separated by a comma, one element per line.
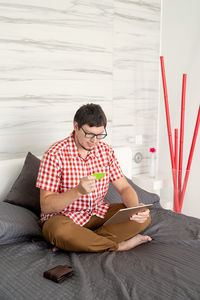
<point>90,135</point>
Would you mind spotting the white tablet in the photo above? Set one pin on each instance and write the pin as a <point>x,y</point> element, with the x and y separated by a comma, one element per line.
<point>124,214</point>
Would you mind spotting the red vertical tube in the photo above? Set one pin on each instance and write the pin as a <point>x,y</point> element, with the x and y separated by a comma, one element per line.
<point>181,135</point>
<point>169,133</point>
<point>190,158</point>
<point>175,157</point>
<point>176,147</point>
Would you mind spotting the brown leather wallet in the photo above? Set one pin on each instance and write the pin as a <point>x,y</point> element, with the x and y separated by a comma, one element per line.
<point>59,273</point>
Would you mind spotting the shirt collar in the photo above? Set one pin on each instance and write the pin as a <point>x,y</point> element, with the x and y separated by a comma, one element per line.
<point>74,150</point>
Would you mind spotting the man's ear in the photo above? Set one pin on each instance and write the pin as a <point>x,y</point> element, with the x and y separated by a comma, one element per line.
<point>75,125</point>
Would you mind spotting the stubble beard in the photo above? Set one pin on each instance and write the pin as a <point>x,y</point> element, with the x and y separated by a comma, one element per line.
<point>80,145</point>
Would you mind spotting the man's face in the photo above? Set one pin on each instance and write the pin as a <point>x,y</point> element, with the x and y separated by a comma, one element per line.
<point>81,139</point>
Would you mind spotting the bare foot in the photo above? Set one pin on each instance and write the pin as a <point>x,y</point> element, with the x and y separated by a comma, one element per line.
<point>133,242</point>
<point>54,249</point>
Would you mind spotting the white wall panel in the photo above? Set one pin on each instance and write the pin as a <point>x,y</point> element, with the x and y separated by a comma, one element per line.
<point>57,55</point>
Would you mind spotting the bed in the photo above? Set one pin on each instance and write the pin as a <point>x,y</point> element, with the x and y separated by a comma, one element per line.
<point>166,268</point>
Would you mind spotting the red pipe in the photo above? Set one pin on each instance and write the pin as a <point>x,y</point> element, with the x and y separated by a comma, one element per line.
<point>169,133</point>
<point>190,158</point>
<point>181,136</point>
<point>175,157</point>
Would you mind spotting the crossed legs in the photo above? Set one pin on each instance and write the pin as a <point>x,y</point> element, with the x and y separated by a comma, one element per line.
<point>63,233</point>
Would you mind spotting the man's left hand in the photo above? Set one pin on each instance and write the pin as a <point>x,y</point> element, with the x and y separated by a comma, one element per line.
<point>141,216</point>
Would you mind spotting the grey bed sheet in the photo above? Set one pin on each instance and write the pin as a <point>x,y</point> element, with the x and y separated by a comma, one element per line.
<point>166,268</point>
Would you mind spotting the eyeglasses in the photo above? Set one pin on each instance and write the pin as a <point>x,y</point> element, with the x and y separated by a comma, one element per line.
<point>90,135</point>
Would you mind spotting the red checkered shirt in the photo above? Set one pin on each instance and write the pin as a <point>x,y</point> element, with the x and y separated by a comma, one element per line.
<point>61,169</point>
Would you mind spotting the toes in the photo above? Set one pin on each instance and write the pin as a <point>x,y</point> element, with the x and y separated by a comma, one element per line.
<point>54,249</point>
<point>148,238</point>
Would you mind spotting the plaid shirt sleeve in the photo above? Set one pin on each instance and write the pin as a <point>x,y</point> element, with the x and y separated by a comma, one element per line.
<point>49,173</point>
<point>115,169</point>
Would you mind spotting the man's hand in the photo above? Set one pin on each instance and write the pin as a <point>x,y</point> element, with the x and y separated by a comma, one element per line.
<point>86,185</point>
<point>141,216</point>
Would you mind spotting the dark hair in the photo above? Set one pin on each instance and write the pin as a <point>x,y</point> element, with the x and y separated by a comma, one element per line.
<point>90,114</point>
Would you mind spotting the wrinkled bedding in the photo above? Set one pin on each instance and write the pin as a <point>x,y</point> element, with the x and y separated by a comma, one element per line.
<point>166,268</point>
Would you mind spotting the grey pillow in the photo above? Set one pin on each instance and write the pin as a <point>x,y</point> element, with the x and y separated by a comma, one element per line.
<point>145,197</point>
<point>17,224</point>
<point>24,192</point>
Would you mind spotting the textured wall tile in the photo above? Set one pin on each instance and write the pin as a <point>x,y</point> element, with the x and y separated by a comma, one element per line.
<point>57,55</point>
<point>33,121</point>
<point>136,76</point>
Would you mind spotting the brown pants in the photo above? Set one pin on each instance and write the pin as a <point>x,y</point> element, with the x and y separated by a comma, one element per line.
<point>63,233</point>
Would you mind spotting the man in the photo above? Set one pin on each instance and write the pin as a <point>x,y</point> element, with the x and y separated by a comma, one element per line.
<point>72,200</point>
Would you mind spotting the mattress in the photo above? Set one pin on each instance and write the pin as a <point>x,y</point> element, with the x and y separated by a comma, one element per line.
<point>168,267</point>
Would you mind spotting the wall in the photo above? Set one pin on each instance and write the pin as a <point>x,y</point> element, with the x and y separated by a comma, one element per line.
<point>58,55</point>
<point>180,46</point>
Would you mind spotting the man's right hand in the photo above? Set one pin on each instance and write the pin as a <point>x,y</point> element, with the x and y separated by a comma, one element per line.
<point>86,185</point>
<point>51,202</point>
